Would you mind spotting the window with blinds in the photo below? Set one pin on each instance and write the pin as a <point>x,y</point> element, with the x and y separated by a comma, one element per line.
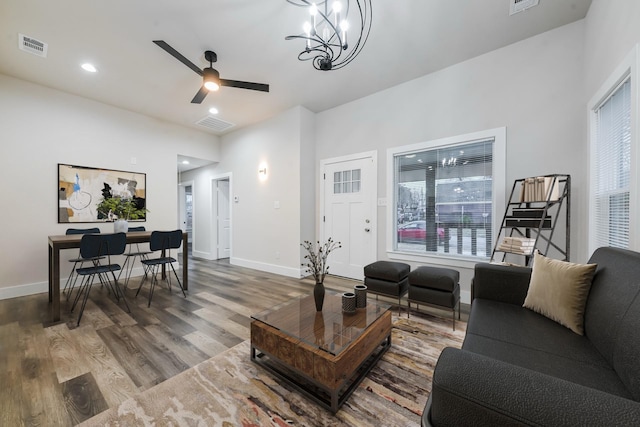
<point>443,199</point>
<point>612,162</point>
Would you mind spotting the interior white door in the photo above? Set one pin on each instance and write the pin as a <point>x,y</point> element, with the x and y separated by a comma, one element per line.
<point>224,219</point>
<point>349,216</point>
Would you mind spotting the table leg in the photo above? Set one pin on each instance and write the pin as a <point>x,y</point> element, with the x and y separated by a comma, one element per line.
<point>54,294</point>
<point>185,262</point>
<point>50,272</point>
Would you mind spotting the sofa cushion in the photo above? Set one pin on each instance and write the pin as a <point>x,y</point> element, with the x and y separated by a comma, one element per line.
<point>443,279</point>
<point>611,316</point>
<point>387,270</point>
<point>433,296</point>
<point>559,290</point>
<point>521,337</point>
<point>385,287</point>
<point>514,324</point>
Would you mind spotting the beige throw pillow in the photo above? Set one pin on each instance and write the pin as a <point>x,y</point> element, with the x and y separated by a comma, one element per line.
<point>559,291</point>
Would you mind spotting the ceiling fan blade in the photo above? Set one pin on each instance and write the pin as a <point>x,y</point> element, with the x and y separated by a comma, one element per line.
<point>171,51</point>
<point>245,85</point>
<point>200,95</point>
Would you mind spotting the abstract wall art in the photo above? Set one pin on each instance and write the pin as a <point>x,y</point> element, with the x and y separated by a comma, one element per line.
<point>82,191</point>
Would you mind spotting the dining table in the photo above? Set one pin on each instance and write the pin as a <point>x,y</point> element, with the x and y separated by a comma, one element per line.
<point>72,241</point>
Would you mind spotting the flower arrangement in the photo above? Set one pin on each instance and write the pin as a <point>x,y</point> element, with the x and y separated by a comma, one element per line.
<point>316,257</point>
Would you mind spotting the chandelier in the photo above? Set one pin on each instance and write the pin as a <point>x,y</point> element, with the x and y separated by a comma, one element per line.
<point>330,33</point>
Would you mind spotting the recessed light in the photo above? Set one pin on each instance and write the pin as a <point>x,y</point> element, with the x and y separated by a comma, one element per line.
<point>185,162</point>
<point>213,110</point>
<point>89,67</point>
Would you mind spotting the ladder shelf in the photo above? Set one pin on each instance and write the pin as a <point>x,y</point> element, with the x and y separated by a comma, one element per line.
<point>536,208</point>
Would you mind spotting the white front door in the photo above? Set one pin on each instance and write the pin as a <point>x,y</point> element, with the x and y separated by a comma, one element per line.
<point>350,212</point>
<point>224,219</point>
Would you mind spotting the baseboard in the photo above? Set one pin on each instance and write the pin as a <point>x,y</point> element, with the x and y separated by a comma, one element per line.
<point>25,290</point>
<point>40,287</point>
<point>269,268</point>
<point>202,255</point>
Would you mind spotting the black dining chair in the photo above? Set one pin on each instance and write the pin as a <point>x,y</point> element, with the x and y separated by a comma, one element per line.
<point>162,241</point>
<point>133,252</point>
<point>100,245</point>
<point>71,280</point>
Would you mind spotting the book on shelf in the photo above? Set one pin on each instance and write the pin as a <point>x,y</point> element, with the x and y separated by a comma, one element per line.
<point>522,241</point>
<point>517,245</point>
<point>516,249</point>
<point>540,189</point>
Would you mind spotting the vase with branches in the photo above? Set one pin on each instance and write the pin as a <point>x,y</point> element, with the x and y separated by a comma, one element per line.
<point>316,265</point>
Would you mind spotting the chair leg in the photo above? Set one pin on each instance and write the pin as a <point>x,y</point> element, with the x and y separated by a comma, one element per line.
<point>73,285</point>
<point>154,279</point>
<point>81,288</point>
<point>178,279</point>
<point>73,270</point>
<point>144,279</point>
<point>84,301</point>
<point>117,290</point>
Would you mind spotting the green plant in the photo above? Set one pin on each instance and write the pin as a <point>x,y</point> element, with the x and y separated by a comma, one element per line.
<point>113,208</point>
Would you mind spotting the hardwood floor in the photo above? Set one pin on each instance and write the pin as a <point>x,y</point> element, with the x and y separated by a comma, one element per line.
<point>60,374</point>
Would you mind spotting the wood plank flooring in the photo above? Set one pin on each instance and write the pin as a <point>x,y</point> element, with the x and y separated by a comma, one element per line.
<point>60,374</point>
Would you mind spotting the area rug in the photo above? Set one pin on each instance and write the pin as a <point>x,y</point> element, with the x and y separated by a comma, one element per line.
<point>230,390</point>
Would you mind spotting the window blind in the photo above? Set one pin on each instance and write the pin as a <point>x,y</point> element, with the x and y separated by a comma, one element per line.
<point>613,168</point>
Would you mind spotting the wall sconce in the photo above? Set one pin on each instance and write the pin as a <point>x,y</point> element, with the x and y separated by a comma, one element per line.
<point>262,172</point>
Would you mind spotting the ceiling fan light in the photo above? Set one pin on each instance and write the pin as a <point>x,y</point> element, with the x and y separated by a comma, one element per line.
<point>211,79</point>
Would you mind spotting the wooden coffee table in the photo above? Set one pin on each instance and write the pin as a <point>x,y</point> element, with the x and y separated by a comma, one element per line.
<point>324,355</point>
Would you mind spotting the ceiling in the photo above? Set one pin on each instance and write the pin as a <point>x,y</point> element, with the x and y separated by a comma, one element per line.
<point>409,38</point>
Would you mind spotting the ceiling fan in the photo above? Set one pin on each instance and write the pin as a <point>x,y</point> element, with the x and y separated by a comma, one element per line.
<point>211,80</point>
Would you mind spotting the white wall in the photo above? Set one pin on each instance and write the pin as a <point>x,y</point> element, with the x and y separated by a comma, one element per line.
<point>612,28</point>
<point>41,127</point>
<point>264,237</point>
<point>533,87</point>
<point>612,31</point>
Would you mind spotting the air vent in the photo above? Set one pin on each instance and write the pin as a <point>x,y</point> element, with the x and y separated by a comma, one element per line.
<point>516,6</point>
<point>214,124</point>
<point>31,45</point>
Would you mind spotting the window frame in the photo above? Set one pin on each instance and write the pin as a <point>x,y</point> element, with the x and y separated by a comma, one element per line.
<point>498,191</point>
<point>628,69</point>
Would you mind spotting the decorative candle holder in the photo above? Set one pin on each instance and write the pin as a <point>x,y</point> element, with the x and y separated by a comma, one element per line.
<point>361,295</point>
<point>349,302</point>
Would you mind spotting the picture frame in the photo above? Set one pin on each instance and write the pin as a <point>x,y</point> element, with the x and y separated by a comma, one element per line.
<point>82,190</point>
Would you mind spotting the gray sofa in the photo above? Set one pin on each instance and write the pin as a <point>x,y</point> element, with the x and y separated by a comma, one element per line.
<point>517,367</point>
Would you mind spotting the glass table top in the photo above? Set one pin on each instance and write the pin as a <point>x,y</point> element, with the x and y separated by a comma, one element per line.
<point>330,330</point>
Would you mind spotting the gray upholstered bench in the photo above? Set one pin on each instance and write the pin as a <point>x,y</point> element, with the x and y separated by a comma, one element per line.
<point>387,278</point>
<point>435,286</point>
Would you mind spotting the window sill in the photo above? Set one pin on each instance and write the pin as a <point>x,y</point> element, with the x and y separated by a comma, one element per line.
<point>437,259</point>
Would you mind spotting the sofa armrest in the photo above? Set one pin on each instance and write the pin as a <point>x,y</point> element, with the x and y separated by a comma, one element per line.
<point>502,283</point>
<point>473,390</point>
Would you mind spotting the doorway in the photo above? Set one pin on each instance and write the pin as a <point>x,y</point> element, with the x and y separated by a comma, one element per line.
<point>221,215</point>
<point>187,212</point>
<point>224,219</point>
<point>349,216</point>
